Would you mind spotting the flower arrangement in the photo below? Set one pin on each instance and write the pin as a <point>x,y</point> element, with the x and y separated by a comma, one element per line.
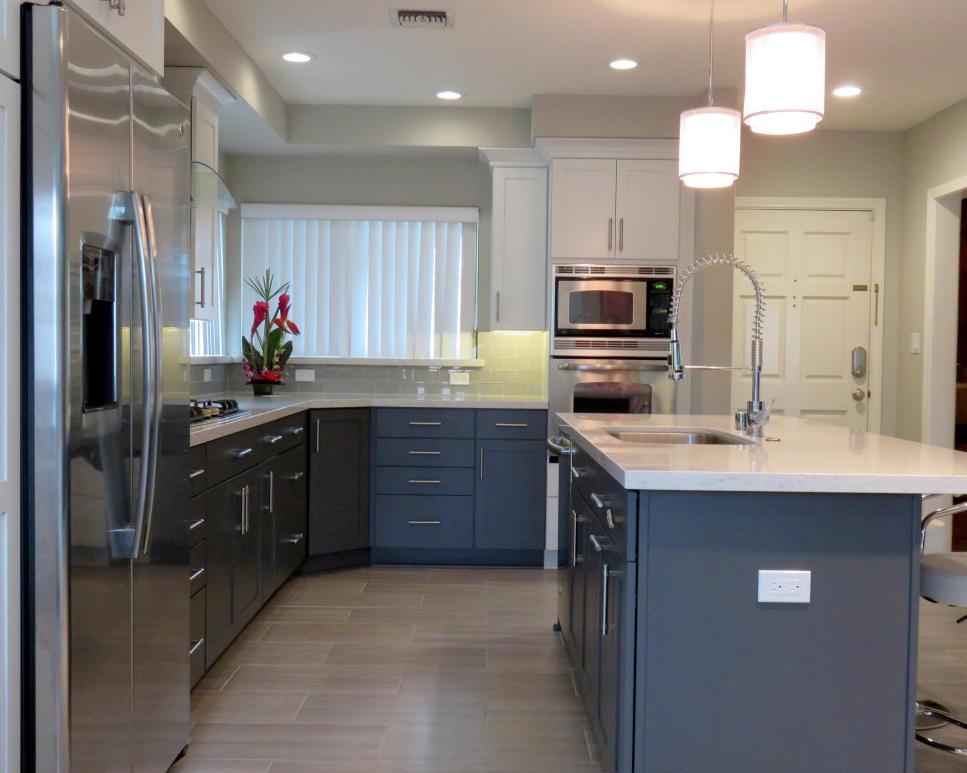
<point>264,357</point>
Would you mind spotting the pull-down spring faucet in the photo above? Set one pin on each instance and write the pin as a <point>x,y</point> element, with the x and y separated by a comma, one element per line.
<point>756,415</point>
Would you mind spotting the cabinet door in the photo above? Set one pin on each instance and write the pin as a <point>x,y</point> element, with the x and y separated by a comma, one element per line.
<point>223,519</point>
<point>519,249</point>
<point>613,579</point>
<point>591,634</point>
<point>339,481</point>
<point>264,516</point>
<point>647,210</point>
<point>510,507</point>
<point>10,37</point>
<point>141,30</point>
<point>246,569</point>
<point>204,221</point>
<point>577,553</point>
<point>290,516</point>
<point>583,208</point>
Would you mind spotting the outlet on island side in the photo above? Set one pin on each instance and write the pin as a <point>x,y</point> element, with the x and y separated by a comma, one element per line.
<point>784,586</point>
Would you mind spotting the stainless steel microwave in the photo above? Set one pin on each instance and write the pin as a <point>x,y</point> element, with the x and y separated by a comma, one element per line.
<point>611,311</point>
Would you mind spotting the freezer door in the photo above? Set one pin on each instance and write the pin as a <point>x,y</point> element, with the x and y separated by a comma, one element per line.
<point>162,160</point>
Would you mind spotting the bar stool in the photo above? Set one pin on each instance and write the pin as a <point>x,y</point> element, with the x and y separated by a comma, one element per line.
<point>943,580</point>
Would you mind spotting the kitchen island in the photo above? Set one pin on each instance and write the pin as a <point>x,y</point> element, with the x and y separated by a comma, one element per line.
<point>681,666</point>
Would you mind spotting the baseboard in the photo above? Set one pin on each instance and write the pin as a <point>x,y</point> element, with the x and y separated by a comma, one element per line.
<point>457,557</point>
<point>344,560</point>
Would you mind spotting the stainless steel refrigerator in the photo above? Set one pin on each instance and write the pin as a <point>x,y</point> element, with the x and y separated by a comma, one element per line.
<point>106,420</point>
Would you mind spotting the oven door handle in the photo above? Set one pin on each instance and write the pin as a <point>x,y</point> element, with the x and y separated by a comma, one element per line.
<point>595,367</point>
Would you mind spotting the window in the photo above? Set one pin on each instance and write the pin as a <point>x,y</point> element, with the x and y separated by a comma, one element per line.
<point>371,282</point>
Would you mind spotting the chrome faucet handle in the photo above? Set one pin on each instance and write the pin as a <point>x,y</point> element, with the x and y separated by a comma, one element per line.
<point>759,416</point>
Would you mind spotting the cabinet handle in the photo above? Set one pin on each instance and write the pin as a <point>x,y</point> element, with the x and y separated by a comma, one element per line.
<point>498,306</point>
<point>296,476</point>
<point>577,472</point>
<point>599,503</point>
<point>318,431</point>
<point>621,234</point>
<point>196,574</point>
<point>195,645</point>
<point>294,539</point>
<point>522,425</point>
<point>244,510</point>
<point>605,574</point>
<point>574,537</point>
<point>295,430</point>
<point>271,440</point>
<point>426,423</point>
<point>197,524</point>
<point>196,473</point>
<point>424,523</point>
<point>241,454</point>
<point>201,303</point>
<point>426,482</point>
<point>272,491</point>
<point>610,233</point>
<point>481,463</point>
<point>118,5</point>
<point>424,453</point>
<point>598,547</point>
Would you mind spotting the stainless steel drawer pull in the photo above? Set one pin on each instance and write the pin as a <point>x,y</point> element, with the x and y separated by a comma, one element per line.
<point>598,545</point>
<point>196,473</point>
<point>424,453</point>
<point>196,574</point>
<point>424,523</point>
<point>577,472</point>
<point>273,439</point>
<point>426,423</point>
<point>601,504</point>
<point>195,645</point>
<point>425,482</point>
<point>605,575</point>
<point>521,425</point>
<point>294,539</point>
<point>296,476</point>
<point>296,430</point>
<point>197,524</point>
<point>201,272</point>
<point>242,453</point>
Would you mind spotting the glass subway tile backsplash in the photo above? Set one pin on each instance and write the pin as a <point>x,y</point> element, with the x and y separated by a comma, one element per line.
<point>516,365</point>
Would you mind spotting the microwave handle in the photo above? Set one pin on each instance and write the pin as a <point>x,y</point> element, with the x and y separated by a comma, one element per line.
<point>598,367</point>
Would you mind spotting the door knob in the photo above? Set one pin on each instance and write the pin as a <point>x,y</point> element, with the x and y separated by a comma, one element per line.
<point>859,394</point>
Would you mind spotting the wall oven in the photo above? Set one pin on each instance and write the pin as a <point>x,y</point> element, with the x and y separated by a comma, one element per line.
<point>611,311</point>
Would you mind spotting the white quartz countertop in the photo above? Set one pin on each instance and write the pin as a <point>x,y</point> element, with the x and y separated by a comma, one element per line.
<point>797,456</point>
<point>261,410</point>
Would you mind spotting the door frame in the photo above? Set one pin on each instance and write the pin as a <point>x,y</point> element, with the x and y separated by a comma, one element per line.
<point>877,209</point>
<point>938,406</point>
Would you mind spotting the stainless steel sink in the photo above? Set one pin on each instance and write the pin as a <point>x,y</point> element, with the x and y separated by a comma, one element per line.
<point>676,436</point>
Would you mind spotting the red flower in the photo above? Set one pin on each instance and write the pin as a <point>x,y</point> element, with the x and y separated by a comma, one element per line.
<point>282,320</point>
<point>261,311</point>
<point>284,305</point>
<point>293,327</point>
<point>269,375</point>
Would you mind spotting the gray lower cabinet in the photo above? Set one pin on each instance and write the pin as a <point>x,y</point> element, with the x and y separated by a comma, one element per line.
<point>509,507</point>
<point>339,464</point>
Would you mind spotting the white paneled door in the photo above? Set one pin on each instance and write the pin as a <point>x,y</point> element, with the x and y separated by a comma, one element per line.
<point>10,365</point>
<point>818,274</point>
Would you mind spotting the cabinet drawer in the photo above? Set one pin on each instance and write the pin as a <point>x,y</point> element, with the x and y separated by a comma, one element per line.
<point>196,469</point>
<point>292,429</point>
<point>424,422</point>
<point>197,565</point>
<point>196,645</point>
<point>424,522</point>
<point>424,452</point>
<point>196,524</point>
<point>613,507</point>
<point>228,456</point>
<point>512,425</point>
<point>430,481</point>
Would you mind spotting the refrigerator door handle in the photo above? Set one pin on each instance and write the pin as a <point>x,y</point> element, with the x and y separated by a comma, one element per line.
<point>156,392</point>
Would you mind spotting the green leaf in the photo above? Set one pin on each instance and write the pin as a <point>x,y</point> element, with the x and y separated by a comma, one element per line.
<point>285,353</point>
<point>272,345</point>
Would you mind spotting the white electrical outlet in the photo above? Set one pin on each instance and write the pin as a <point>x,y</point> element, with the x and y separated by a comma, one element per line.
<point>305,374</point>
<point>459,378</point>
<point>784,586</point>
<point>206,375</point>
<point>914,343</point>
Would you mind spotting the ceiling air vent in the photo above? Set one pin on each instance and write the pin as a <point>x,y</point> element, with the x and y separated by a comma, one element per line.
<point>433,20</point>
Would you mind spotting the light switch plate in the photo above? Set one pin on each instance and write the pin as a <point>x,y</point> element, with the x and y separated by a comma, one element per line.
<point>459,378</point>
<point>784,586</point>
<point>305,374</point>
<point>206,375</point>
<point>915,343</point>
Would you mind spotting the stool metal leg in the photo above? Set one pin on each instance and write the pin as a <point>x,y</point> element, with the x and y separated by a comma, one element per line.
<point>928,710</point>
<point>925,717</point>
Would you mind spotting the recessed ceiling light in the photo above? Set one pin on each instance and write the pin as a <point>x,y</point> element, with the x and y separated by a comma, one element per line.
<point>847,90</point>
<point>297,57</point>
<point>624,64</point>
<point>448,95</point>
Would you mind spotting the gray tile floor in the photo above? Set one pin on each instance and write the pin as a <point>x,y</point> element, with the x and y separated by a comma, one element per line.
<point>434,670</point>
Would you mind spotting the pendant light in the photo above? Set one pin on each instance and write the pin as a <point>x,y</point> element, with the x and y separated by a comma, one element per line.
<point>785,77</point>
<point>709,138</point>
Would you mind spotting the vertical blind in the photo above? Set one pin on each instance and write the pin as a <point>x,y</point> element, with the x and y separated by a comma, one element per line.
<point>392,282</point>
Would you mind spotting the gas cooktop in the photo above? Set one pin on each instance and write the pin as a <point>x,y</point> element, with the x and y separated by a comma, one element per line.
<point>206,410</point>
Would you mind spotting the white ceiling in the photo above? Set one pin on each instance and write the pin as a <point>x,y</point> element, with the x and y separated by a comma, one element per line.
<point>909,55</point>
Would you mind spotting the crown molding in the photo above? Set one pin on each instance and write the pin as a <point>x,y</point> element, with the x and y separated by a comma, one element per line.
<point>513,157</point>
<point>568,147</point>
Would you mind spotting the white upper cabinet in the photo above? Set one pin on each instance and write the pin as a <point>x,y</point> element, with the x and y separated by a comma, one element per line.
<point>519,249</point>
<point>583,208</point>
<point>205,235</point>
<point>140,28</point>
<point>647,210</point>
<point>607,209</point>
<point>10,38</point>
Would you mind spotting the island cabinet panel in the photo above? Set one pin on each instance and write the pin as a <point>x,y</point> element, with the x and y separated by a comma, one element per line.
<point>827,685</point>
<point>339,471</point>
<point>510,510</point>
